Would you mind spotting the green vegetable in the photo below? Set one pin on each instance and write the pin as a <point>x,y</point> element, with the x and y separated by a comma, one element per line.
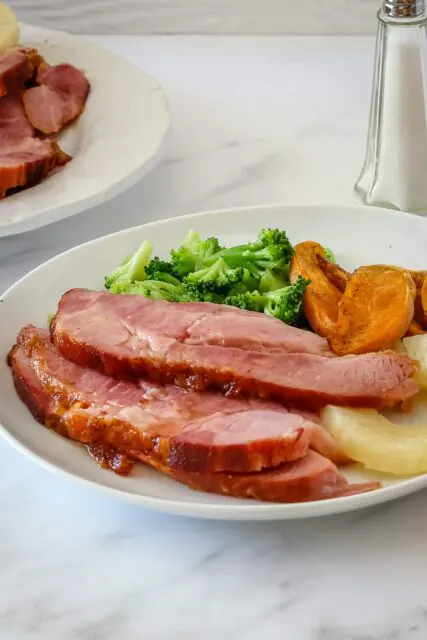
<point>271,281</point>
<point>50,317</point>
<point>284,304</point>
<point>329,254</point>
<point>253,276</point>
<point>192,254</point>
<point>132,269</point>
<point>219,279</point>
<point>154,289</point>
<point>272,250</point>
<point>156,269</point>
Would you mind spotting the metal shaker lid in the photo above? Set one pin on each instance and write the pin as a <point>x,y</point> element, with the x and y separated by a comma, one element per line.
<point>403,8</point>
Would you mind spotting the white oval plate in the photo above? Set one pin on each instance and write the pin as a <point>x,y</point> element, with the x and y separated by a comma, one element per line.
<point>357,235</point>
<point>117,140</point>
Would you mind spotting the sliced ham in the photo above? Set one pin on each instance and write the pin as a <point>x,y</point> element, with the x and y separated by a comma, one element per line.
<point>59,99</point>
<point>14,124</point>
<point>16,67</point>
<point>25,163</point>
<point>183,434</point>
<point>129,336</point>
<point>185,430</point>
<point>66,79</point>
<point>310,478</point>
<point>24,160</point>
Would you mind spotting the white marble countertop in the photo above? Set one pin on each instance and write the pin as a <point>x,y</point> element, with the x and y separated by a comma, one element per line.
<point>255,121</point>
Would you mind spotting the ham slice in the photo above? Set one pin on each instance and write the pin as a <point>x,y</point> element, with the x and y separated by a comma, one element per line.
<point>14,124</point>
<point>184,434</point>
<point>185,430</point>
<point>16,67</point>
<point>24,160</point>
<point>66,79</point>
<point>129,336</point>
<point>308,479</point>
<point>59,99</point>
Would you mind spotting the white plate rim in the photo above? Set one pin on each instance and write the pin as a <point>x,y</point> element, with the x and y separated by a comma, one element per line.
<point>63,211</point>
<point>252,511</point>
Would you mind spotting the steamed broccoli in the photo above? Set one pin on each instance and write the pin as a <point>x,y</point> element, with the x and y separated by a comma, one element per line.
<point>272,250</point>
<point>284,304</point>
<point>192,254</point>
<point>329,254</point>
<point>219,279</point>
<point>157,267</point>
<point>155,289</point>
<point>252,276</point>
<point>247,300</point>
<point>271,280</point>
<point>133,268</point>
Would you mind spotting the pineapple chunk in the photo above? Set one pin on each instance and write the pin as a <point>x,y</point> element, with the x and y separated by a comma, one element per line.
<point>416,348</point>
<point>370,438</point>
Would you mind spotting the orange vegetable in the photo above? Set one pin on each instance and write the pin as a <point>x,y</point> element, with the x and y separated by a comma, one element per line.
<point>423,300</point>
<point>336,275</point>
<point>322,297</point>
<point>415,329</point>
<point>375,310</point>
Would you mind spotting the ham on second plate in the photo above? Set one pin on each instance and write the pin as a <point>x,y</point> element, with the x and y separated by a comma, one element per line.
<point>59,99</point>
<point>34,98</point>
<point>24,159</point>
<point>205,441</point>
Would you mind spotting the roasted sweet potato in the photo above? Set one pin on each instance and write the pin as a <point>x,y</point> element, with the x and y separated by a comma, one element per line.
<point>375,310</point>
<point>336,275</point>
<point>322,297</point>
<point>422,304</point>
<point>419,316</point>
<point>415,329</point>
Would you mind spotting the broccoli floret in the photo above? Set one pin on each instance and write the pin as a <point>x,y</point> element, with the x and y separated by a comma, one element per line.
<point>192,295</point>
<point>192,254</point>
<point>133,268</point>
<point>272,250</point>
<point>284,304</point>
<point>271,280</point>
<point>157,266</point>
<point>330,255</point>
<point>219,278</point>
<point>248,300</point>
<point>154,289</point>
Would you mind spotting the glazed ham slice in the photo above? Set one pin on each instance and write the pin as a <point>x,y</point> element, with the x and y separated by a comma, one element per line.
<point>313,477</point>
<point>183,434</point>
<point>184,430</point>
<point>24,160</point>
<point>59,99</point>
<point>16,67</point>
<point>64,78</point>
<point>14,124</point>
<point>129,336</point>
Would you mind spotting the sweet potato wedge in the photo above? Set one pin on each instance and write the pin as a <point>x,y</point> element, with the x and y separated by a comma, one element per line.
<point>322,297</point>
<point>415,329</point>
<point>421,307</point>
<point>336,275</point>
<point>375,310</point>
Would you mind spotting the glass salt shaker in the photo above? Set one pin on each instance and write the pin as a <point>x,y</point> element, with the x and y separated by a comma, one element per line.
<point>394,173</point>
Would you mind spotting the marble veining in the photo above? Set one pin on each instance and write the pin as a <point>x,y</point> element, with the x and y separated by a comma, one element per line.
<point>255,121</point>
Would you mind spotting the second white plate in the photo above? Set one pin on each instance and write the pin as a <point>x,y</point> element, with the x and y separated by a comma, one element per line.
<point>117,140</point>
<point>357,236</point>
